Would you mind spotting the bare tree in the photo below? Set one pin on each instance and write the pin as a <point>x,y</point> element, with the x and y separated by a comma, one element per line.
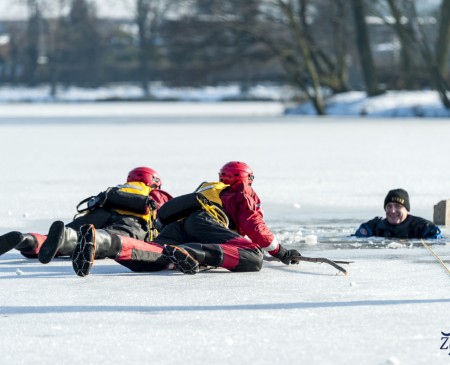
<point>150,14</point>
<point>81,56</point>
<point>54,31</point>
<point>142,15</point>
<point>33,33</point>
<point>418,53</point>
<point>13,53</point>
<point>303,41</point>
<point>443,39</point>
<point>311,83</point>
<point>365,49</point>
<point>290,31</point>
<point>437,79</point>
<point>404,32</point>
<point>214,45</point>
<point>312,48</point>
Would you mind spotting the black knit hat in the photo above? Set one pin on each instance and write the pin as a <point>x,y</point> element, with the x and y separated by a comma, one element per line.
<point>399,196</point>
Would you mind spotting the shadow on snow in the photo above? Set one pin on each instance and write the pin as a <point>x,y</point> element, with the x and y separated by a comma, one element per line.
<point>11,310</point>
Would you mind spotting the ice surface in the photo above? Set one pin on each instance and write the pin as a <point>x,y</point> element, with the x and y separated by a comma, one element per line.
<point>317,177</point>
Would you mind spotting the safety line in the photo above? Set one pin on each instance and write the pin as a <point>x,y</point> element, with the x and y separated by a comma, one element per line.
<point>442,262</point>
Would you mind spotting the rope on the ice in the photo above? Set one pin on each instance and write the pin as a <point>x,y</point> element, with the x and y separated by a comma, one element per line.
<point>442,262</point>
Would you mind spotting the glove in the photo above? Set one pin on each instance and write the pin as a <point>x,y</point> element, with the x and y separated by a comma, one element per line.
<point>287,256</point>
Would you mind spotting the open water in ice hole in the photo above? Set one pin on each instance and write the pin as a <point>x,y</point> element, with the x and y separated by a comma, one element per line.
<point>338,234</point>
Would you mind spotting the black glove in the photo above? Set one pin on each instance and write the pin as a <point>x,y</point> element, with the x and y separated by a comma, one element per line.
<point>287,256</point>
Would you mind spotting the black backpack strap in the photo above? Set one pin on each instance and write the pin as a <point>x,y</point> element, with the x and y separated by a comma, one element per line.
<point>93,202</point>
<point>82,202</point>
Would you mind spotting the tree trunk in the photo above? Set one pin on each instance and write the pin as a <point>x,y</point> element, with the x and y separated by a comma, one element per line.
<point>406,64</point>
<point>142,9</point>
<point>364,49</point>
<point>33,29</point>
<point>437,80</point>
<point>443,39</point>
<point>315,94</point>
<point>13,60</point>
<point>340,44</point>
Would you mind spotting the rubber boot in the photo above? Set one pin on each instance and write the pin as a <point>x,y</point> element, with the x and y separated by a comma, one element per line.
<point>109,245</point>
<point>189,258</point>
<point>59,240</point>
<point>207,255</point>
<point>93,244</point>
<point>11,240</point>
<point>27,243</point>
<point>31,244</point>
<point>182,259</point>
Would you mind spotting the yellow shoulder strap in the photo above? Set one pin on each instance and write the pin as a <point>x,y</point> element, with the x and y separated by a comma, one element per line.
<point>212,190</point>
<point>139,188</point>
<point>135,187</point>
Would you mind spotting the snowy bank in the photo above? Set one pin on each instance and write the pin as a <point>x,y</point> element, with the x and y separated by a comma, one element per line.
<point>259,100</point>
<point>129,92</point>
<point>390,104</point>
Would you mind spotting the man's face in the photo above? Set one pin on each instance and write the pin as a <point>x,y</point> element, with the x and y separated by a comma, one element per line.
<point>395,213</point>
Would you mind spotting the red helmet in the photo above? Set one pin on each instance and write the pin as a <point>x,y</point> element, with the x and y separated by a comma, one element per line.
<point>146,175</point>
<point>236,171</point>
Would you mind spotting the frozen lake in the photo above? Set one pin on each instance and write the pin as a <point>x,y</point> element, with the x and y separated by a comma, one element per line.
<point>314,175</point>
<point>320,176</point>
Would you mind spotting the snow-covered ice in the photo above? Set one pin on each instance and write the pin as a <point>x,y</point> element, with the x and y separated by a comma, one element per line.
<point>393,304</point>
<point>316,177</point>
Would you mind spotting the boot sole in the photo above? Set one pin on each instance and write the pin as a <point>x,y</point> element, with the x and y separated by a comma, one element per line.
<point>9,241</point>
<point>84,253</point>
<point>181,259</point>
<point>53,242</point>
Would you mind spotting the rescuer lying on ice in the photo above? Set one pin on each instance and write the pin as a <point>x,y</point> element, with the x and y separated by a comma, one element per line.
<point>207,227</point>
<point>128,209</point>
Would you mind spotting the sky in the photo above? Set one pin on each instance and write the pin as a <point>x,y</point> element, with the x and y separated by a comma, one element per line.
<point>16,9</point>
<point>13,9</point>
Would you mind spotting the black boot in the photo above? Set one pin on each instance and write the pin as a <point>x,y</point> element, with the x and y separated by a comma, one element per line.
<point>190,257</point>
<point>182,259</point>
<point>59,239</point>
<point>93,244</point>
<point>20,241</point>
<point>109,245</point>
<point>10,240</point>
<point>207,255</point>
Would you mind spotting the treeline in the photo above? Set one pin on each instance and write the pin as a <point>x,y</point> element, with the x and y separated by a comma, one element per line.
<point>319,46</point>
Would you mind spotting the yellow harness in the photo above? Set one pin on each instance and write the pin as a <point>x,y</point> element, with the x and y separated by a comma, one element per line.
<point>140,188</point>
<point>209,198</point>
<point>137,188</point>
